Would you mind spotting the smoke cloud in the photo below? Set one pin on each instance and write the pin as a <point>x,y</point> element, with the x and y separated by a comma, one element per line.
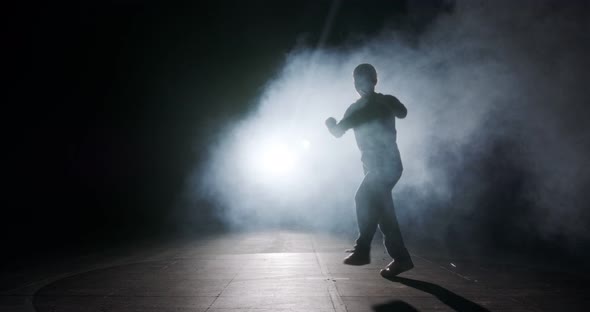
<point>495,138</point>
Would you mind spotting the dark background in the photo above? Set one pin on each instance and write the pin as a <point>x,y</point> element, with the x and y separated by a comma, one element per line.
<point>116,102</point>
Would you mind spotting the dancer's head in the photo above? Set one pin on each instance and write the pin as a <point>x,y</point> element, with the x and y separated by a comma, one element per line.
<point>365,79</point>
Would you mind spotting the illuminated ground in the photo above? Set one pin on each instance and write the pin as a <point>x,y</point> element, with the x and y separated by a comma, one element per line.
<point>279,271</point>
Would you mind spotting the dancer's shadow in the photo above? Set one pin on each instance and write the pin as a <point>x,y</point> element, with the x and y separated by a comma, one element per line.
<point>394,306</point>
<point>446,296</point>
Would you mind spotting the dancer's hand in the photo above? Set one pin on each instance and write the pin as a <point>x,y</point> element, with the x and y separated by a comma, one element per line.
<point>330,122</point>
<point>333,127</point>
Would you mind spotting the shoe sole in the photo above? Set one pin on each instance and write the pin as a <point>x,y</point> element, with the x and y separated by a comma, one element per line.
<point>357,263</point>
<point>388,274</point>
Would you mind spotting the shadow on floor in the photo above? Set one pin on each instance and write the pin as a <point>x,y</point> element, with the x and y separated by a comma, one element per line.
<point>446,296</point>
<point>394,306</point>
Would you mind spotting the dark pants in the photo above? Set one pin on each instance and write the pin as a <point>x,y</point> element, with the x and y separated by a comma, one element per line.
<point>374,207</point>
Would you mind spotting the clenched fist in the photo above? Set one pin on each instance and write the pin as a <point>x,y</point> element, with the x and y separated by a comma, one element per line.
<point>333,127</point>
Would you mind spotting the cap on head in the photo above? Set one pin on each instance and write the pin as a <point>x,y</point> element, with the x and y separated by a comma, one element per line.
<point>366,71</point>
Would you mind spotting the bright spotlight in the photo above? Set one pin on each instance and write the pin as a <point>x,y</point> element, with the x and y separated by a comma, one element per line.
<point>278,159</point>
<point>305,144</point>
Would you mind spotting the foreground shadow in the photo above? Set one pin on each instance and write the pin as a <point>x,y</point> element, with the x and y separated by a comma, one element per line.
<point>446,296</point>
<point>394,306</point>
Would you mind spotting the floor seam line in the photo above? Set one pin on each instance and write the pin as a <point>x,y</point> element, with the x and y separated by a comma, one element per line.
<point>335,297</point>
<point>221,292</point>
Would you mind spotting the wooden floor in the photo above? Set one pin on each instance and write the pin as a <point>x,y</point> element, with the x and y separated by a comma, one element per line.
<point>280,271</point>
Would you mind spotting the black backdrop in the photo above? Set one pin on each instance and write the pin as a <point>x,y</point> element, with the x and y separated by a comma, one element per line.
<point>116,102</point>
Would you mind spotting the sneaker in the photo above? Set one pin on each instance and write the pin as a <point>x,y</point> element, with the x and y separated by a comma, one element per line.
<point>358,258</point>
<point>396,267</point>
